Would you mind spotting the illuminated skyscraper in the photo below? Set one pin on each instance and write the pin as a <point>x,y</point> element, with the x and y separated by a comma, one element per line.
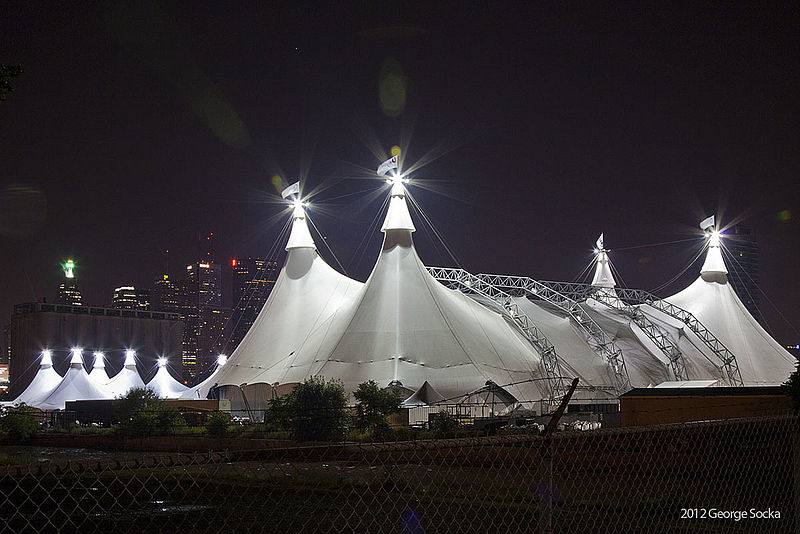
<point>68,291</point>
<point>204,317</point>
<point>125,298</point>
<point>253,279</point>
<point>165,296</point>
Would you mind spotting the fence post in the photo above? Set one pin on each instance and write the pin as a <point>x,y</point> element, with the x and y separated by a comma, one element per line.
<point>546,521</point>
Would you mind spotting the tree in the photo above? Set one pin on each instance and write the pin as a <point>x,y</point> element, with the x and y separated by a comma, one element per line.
<point>792,387</point>
<point>20,423</point>
<point>144,413</point>
<point>444,424</point>
<point>7,74</point>
<point>318,410</point>
<point>374,405</point>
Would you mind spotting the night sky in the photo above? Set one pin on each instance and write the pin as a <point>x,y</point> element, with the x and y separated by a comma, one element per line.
<point>137,127</point>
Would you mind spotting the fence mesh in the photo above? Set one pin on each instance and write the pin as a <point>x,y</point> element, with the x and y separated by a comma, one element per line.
<point>738,475</point>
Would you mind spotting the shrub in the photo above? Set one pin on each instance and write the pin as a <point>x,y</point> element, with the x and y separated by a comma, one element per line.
<point>143,413</point>
<point>317,410</point>
<point>374,406</point>
<point>444,424</point>
<point>218,424</point>
<point>20,423</point>
<point>792,388</point>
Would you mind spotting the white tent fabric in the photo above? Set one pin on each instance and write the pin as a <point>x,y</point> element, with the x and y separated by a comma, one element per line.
<point>164,385</point>
<point>761,359</point>
<point>404,326</point>
<point>127,379</point>
<point>308,291</point>
<point>98,375</point>
<point>425,395</point>
<point>603,277</point>
<point>572,347</point>
<point>645,363</point>
<point>76,385</point>
<point>44,382</point>
<point>194,392</point>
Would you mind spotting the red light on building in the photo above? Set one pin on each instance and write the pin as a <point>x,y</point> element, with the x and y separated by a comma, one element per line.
<point>233,262</point>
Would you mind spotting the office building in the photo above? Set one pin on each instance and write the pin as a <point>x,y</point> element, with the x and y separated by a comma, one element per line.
<point>253,279</point>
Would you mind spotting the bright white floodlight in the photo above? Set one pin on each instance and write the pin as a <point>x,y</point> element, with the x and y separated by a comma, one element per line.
<point>77,355</point>
<point>162,362</point>
<point>222,360</point>
<point>130,357</point>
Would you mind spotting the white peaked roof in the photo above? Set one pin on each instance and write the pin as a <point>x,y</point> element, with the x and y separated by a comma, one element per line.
<point>164,385</point>
<point>761,359</point>
<point>299,237</point>
<point>76,385</point>
<point>404,326</point>
<point>43,383</point>
<point>714,263</point>
<point>602,271</point>
<point>127,379</point>
<point>98,374</point>
<point>424,396</point>
<point>305,296</point>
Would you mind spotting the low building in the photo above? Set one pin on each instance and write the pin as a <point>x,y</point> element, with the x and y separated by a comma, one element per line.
<point>654,406</point>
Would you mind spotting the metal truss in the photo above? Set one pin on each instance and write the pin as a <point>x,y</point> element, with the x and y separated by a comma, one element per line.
<point>656,334</point>
<point>732,375</point>
<point>730,367</point>
<point>466,282</point>
<point>602,344</point>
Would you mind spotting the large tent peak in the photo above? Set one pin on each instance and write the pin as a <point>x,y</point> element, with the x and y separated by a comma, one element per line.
<point>714,264</point>
<point>603,277</point>
<point>398,216</point>
<point>300,236</point>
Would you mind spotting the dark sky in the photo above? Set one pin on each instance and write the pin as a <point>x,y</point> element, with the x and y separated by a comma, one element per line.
<point>136,127</point>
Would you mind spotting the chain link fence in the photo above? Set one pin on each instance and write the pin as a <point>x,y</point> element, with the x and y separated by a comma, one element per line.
<point>739,475</point>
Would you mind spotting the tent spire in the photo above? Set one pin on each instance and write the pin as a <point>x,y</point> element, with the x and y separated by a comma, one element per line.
<point>603,276</point>
<point>300,237</point>
<point>77,358</point>
<point>397,216</point>
<point>714,264</point>
<point>99,361</point>
<point>47,359</point>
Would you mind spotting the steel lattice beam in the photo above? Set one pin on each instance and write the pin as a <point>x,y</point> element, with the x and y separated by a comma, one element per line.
<point>600,343</point>
<point>468,283</point>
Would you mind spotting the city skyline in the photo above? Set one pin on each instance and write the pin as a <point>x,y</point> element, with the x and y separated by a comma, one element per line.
<point>137,128</point>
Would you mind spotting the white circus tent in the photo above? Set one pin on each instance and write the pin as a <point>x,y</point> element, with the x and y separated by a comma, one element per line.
<point>710,298</point>
<point>164,385</point>
<point>128,377</point>
<point>305,296</point>
<point>76,385</point>
<point>43,383</point>
<point>403,328</point>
